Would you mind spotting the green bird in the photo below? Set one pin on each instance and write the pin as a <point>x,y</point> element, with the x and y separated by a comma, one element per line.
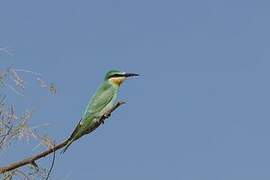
<point>103,100</point>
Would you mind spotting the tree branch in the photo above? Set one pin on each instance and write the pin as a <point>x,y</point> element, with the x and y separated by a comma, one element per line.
<point>5,136</point>
<point>32,159</point>
<point>49,173</point>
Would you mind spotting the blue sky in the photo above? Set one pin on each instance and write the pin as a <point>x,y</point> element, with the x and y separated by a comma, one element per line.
<point>200,110</point>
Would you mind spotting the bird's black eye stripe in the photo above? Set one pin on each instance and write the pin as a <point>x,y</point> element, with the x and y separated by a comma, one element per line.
<point>117,75</point>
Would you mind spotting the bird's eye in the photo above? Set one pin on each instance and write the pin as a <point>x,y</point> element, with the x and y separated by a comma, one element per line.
<point>116,75</point>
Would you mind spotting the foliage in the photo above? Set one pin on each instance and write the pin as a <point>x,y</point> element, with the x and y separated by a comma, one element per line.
<point>15,126</point>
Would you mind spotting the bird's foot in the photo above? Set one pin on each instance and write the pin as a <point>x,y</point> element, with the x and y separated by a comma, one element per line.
<point>107,115</point>
<point>102,121</point>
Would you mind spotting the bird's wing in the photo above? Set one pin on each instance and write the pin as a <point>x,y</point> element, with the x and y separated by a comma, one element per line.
<point>103,97</point>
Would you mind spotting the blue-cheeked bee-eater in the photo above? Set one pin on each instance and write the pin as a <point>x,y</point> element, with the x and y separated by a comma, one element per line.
<point>103,100</point>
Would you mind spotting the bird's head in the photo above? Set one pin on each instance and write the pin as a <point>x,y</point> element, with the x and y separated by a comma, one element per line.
<point>117,77</point>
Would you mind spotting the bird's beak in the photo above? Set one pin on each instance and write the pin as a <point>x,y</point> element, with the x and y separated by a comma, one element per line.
<point>130,74</point>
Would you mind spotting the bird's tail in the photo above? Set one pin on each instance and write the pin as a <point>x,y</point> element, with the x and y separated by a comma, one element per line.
<point>67,145</point>
<point>72,138</point>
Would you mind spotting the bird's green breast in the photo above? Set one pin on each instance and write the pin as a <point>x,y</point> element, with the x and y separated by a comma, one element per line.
<point>103,100</point>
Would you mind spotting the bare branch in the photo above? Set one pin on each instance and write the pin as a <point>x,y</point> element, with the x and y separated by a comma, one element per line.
<point>32,159</point>
<point>28,71</point>
<point>3,139</point>
<point>24,176</point>
<point>51,166</point>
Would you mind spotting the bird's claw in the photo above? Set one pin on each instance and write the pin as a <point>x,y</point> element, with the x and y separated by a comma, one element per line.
<point>121,102</point>
<point>102,121</point>
<point>107,115</point>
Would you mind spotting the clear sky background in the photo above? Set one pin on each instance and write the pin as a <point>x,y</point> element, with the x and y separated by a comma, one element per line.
<point>200,110</point>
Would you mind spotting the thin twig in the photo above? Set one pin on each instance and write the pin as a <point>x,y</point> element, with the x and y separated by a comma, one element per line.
<point>5,50</point>
<point>28,71</point>
<point>5,136</point>
<point>12,88</point>
<point>32,159</point>
<point>22,174</point>
<point>51,166</point>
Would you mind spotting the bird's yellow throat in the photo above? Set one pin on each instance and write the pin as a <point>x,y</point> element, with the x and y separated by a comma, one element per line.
<point>117,80</point>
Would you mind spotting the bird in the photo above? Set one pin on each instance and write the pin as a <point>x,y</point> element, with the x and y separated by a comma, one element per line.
<point>103,100</point>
